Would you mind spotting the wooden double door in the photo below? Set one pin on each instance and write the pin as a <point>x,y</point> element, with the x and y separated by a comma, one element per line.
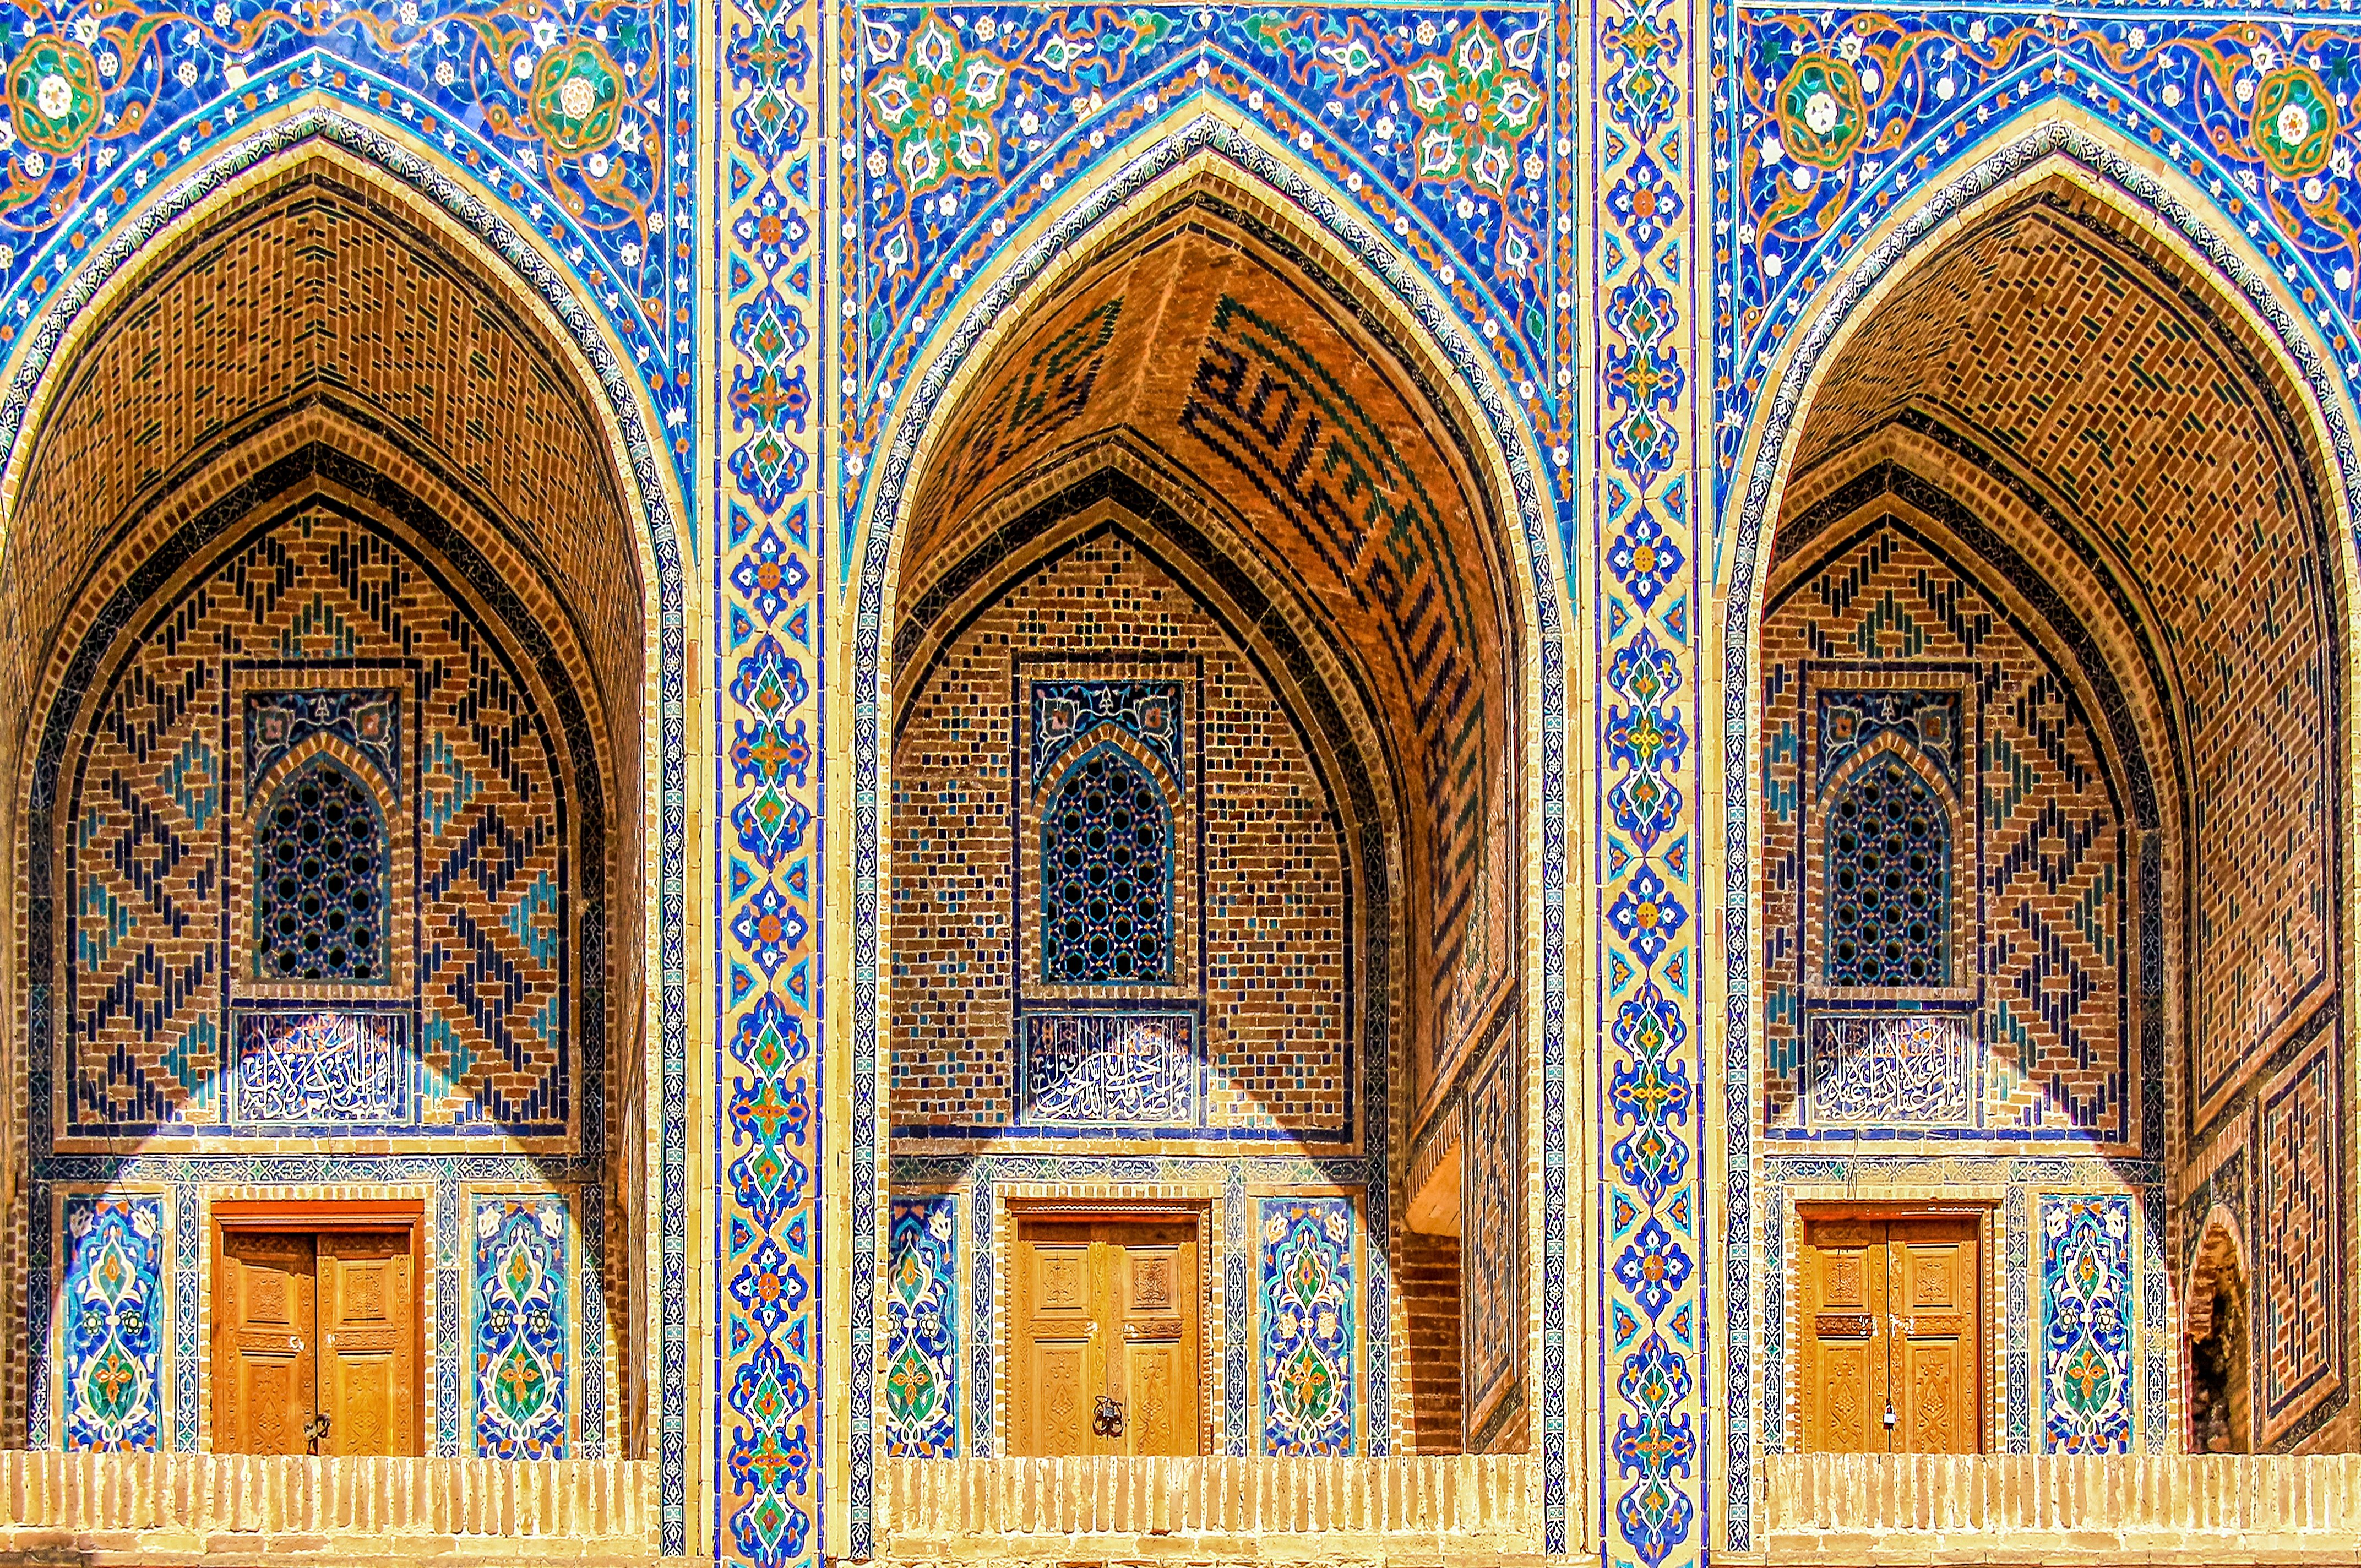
<point>1106,1323</point>
<point>316,1341</point>
<point>1892,1330</point>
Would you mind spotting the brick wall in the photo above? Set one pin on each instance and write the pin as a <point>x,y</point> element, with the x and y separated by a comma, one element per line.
<point>1260,897</point>
<point>1429,1285</point>
<point>2031,1016</point>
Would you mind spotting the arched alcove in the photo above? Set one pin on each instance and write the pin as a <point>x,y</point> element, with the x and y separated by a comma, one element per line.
<point>2053,470</point>
<point>1193,476</point>
<point>2220,1342</point>
<point>314,492</point>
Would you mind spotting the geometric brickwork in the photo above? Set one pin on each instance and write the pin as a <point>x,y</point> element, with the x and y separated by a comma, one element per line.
<point>1620,222</point>
<point>1493,1284</point>
<point>2155,431</point>
<point>2299,1159</point>
<point>1881,655</point>
<point>1244,391</point>
<point>167,823</point>
<point>1249,989</point>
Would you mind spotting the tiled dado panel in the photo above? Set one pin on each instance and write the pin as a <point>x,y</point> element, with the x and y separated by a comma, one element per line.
<point>1254,1007</point>
<point>2076,1286</point>
<point>519,1360</point>
<point>1878,649</point>
<point>447,848</point>
<point>1284,1324</point>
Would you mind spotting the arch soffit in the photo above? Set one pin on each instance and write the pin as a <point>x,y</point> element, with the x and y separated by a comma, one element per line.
<point>1921,354</point>
<point>2221,1244</point>
<point>1218,155</point>
<point>486,244</point>
<point>1083,376</point>
<point>2159,211</point>
<point>2219,1239</point>
<point>1892,747</point>
<point>1130,755</point>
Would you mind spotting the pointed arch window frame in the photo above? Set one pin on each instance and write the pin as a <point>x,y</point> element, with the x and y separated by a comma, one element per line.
<point>1895,762</point>
<point>1135,761</point>
<point>265,797</point>
<point>1961,985</point>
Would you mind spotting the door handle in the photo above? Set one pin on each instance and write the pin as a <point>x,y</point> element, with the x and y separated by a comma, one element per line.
<point>1108,1420</point>
<point>315,1431</point>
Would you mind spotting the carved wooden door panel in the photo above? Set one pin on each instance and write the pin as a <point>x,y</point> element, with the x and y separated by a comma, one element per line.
<point>263,1367</point>
<point>1152,1374</point>
<point>1107,1339</point>
<point>1935,1305</point>
<point>1890,1332</point>
<point>1060,1354</point>
<point>368,1343</point>
<point>1842,1384</point>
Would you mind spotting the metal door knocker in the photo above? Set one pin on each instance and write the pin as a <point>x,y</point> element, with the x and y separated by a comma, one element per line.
<point>1108,1422</point>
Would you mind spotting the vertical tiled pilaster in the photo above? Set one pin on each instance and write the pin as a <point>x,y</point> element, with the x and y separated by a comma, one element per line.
<point>770,176</point>
<point>1654,1471</point>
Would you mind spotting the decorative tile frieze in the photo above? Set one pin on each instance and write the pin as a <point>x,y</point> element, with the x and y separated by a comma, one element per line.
<point>113,1312</point>
<point>339,1069</point>
<point>1895,1073</point>
<point>520,1352</point>
<point>1110,1070</point>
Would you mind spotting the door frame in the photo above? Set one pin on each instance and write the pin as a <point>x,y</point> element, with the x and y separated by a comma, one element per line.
<point>324,1216</point>
<point>1991,1287</point>
<point>1085,1210</point>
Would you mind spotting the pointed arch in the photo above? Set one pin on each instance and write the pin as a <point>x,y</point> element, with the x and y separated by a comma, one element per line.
<point>2169,242</point>
<point>1884,810</point>
<point>617,640</point>
<point>1250,182</point>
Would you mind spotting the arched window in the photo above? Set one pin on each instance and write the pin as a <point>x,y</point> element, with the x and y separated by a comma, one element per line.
<point>1888,864</point>
<point>1107,871</point>
<point>320,881</point>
